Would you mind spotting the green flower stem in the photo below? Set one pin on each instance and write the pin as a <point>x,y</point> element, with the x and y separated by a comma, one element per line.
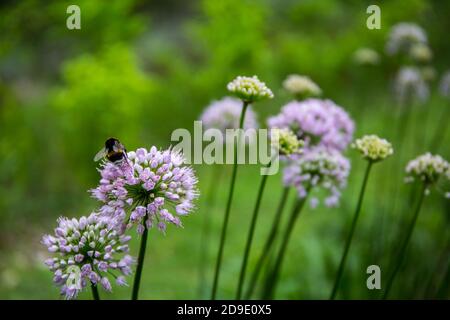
<point>140,264</point>
<point>250,235</point>
<point>401,256</point>
<point>228,207</point>
<point>441,129</point>
<point>270,287</point>
<point>95,294</point>
<point>268,244</point>
<point>352,231</point>
<point>205,235</point>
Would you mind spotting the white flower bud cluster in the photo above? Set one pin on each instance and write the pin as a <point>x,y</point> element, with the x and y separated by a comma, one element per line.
<point>301,86</point>
<point>373,148</point>
<point>249,89</point>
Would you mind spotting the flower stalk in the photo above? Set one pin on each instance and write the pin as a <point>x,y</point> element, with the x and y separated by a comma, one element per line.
<point>140,263</point>
<point>268,244</point>
<point>206,230</point>
<point>250,235</point>
<point>352,231</point>
<point>269,290</point>
<point>95,294</point>
<point>401,256</point>
<point>228,207</point>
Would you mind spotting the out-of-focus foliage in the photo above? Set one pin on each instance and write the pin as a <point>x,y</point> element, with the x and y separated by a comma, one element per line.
<point>138,70</point>
<point>101,96</point>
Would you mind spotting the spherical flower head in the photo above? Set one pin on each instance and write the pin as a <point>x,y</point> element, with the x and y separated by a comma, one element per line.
<point>285,142</point>
<point>318,169</point>
<point>403,36</point>
<point>366,56</point>
<point>85,251</point>
<point>157,187</point>
<point>444,85</point>
<point>317,122</point>
<point>428,73</point>
<point>373,148</point>
<point>420,52</point>
<point>301,86</point>
<point>410,86</point>
<point>249,89</point>
<point>428,168</point>
<point>225,114</point>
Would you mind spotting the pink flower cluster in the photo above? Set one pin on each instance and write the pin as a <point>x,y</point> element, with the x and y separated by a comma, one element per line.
<point>153,186</point>
<point>317,122</point>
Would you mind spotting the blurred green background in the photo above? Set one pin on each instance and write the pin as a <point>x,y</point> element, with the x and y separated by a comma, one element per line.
<point>137,70</point>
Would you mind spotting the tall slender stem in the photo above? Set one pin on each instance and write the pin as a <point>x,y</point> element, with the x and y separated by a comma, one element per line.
<point>204,238</point>
<point>269,243</point>
<point>270,287</point>
<point>441,129</point>
<point>228,207</point>
<point>250,235</point>
<point>140,264</point>
<point>352,231</point>
<point>401,255</point>
<point>94,289</point>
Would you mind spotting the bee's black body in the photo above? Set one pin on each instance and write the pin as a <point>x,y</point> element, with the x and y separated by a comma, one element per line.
<point>115,151</point>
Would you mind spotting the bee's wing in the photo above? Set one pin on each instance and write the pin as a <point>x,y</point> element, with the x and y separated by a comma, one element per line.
<point>101,154</point>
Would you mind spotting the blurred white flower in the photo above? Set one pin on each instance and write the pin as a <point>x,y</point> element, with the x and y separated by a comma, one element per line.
<point>421,53</point>
<point>428,168</point>
<point>403,36</point>
<point>410,86</point>
<point>444,86</point>
<point>366,56</point>
<point>301,86</point>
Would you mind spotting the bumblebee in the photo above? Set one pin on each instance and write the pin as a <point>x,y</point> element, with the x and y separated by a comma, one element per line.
<point>114,151</point>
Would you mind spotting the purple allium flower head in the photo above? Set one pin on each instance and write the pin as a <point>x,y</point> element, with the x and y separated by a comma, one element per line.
<point>403,36</point>
<point>225,113</point>
<point>410,86</point>
<point>157,189</point>
<point>86,250</point>
<point>444,85</point>
<point>317,122</point>
<point>318,168</point>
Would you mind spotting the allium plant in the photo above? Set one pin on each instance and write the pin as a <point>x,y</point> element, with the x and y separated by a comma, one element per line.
<point>318,168</point>
<point>374,150</point>
<point>155,186</point>
<point>285,143</point>
<point>87,251</point>
<point>421,53</point>
<point>301,87</point>
<point>366,57</point>
<point>249,90</point>
<point>321,169</point>
<point>428,169</point>
<point>444,85</point>
<point>224,114</point>
<point>403,36</point>
<point>410,86</point>
<point>317,122</point>
<point>221,115</point>
<point>428,73</point>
